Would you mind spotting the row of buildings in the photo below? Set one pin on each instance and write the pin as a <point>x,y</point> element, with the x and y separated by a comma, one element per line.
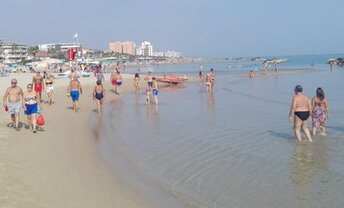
<point>11,52</point>
<point>145,49</point>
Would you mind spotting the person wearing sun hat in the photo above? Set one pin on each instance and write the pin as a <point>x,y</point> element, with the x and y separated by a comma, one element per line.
<point>12,100</point>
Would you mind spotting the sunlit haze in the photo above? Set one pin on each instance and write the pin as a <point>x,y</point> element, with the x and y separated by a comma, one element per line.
<point>204,28</point>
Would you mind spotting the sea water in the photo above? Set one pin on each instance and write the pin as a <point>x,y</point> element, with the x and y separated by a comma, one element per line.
<point>232,147</point>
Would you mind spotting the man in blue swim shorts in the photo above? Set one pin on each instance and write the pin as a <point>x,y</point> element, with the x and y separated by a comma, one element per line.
<point>74,89</point>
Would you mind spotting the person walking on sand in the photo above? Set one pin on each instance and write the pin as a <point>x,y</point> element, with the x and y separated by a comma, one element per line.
<point>320,111</point>
<point>99,95</point>
<point>137,82</point>
<point>49,88</point>
<point>74,89</point>
<point>155,90</point>
<point>13,94</point>
<point>30,105</point>
<point>100,74</point>
<point>300,110</point>
<point>37,82</point>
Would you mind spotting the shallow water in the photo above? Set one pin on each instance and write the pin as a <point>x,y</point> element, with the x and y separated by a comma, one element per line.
<point>230,148</point>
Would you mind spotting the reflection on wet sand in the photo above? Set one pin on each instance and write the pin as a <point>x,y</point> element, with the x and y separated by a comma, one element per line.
<point>211,100</point>
<point>98,127</point>
<point>153,118</point>
<point>308,165</point>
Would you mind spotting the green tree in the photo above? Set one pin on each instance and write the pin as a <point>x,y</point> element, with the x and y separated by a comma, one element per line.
<point>32,50</point>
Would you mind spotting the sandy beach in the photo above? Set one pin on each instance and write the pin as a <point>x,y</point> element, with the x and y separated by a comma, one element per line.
<point>59,166</point>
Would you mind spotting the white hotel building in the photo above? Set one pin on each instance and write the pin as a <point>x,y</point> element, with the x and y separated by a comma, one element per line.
<point>12,52</point>
<point>58,46</point>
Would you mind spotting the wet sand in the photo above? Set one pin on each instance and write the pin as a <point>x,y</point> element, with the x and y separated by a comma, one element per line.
<point>59,166</point>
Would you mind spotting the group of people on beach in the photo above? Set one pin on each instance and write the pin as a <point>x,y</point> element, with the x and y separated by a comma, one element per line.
<point>116,81</point>
<point>302,109</point>
<point>30,100</point>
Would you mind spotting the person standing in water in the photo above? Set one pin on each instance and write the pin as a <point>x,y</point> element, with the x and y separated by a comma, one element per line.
<point>201,77</point>
<point>212,73</point>
<point>98,95</point>
<point>113,80</point>
<point>276,68</point>
<point>149,79</point>
<point>137,82</point>
<point>118,83</point>
<point>155,90</point>
<point>320,111</point>
<point>300,111</point>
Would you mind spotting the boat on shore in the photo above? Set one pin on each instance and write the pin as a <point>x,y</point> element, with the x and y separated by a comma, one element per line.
<point>171,79</point>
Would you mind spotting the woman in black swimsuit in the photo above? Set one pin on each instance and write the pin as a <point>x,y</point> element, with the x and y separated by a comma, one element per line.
<point>300,110</point>
<point>98,95</point>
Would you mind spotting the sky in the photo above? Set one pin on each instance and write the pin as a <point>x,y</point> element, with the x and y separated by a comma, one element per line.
<point>197,28</point>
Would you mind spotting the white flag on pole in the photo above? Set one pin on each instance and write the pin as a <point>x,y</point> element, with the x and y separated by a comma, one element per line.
<point>75,35</point>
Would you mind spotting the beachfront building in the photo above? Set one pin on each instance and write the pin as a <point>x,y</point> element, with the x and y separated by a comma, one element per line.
<point>159,54</point>
<point>59,46</point>
<point>123,47</point>
<point>139,51</point>
<point>13,52</point>
<point>173,54</point>
<point>146,48</point>
<point>168,54</point>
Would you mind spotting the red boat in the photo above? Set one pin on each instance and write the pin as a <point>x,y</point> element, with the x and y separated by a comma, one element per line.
<point>171,79</point>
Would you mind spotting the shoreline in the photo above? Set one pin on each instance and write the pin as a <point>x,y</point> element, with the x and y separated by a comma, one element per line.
<point>60,166</point>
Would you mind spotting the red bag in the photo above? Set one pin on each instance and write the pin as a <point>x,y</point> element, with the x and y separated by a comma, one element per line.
<point>40,120</point>
<point>6,108</point>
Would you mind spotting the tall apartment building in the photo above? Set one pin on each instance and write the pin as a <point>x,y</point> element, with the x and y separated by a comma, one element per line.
<point>147,48</point>
<point>123,47</point>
